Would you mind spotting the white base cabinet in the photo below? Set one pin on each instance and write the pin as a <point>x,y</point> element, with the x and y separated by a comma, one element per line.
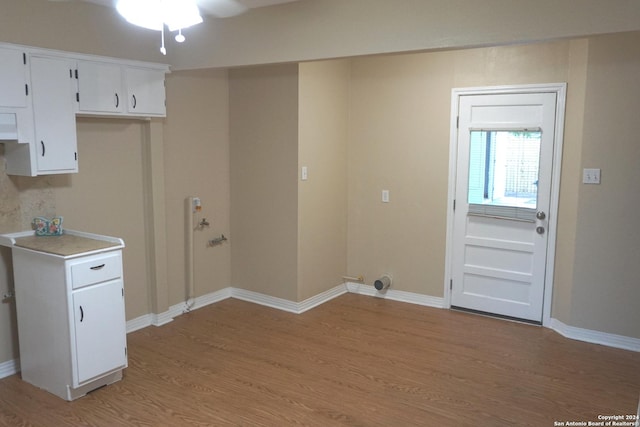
<point>71,318</point>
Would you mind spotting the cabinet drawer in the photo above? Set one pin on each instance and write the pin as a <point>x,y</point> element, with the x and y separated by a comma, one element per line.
<point>96,269</point>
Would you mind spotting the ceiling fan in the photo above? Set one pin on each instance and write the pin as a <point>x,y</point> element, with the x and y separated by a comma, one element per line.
<point>178,14</point>
<point>216,8</point>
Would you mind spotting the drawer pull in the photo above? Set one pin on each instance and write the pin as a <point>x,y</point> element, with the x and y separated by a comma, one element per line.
<point>97,267</point>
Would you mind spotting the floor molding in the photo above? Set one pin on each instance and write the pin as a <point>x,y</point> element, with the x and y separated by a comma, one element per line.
<point>595,337</point>
<point>286,305</point>
<point>159,319</point>
<point>395,295</point>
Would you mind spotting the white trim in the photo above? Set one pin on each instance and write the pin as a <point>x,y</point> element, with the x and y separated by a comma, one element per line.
<point>159,319</point>
<point>139,323</point>
<point>205,300</point>
<point>286,305</point>
<point>595,337</point>
<point>395,295</point>
<point>321,298</point>
<point>10,367</point>
<point>266,300</point>
<point>560,89</point>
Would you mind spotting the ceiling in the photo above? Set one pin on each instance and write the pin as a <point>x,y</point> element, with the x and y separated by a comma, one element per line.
<point>217,8</point>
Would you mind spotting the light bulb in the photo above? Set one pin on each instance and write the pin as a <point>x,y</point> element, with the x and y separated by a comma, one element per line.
<point>179,37</point>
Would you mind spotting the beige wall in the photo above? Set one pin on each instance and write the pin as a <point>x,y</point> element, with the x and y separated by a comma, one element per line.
<point>263,105</point>
<point>324,29</point>
<point>606,288</point>
<point>20,200</point>
<point>399,141</point>
<point>105,197</point>
<point>322,198</point>
<point>196,153</point>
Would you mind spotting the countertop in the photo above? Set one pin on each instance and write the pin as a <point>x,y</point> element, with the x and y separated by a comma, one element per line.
<point>69,245</point>
<point>64,245</point>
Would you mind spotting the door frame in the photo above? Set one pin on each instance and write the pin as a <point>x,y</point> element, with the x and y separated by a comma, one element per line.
<point>560,89</point>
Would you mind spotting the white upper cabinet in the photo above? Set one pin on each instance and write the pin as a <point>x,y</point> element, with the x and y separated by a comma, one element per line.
<point>53,111</point>
<point>146,93</point>
<point>106,88</point>
<point>100,87</point>
<point>13,78</point>
<point>15,96</point>
<point>42,91</point>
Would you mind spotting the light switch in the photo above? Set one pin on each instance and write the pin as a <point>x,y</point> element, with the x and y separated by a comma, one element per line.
<point>591,176</point>
<point>385,196</point>
<point>304,174</point>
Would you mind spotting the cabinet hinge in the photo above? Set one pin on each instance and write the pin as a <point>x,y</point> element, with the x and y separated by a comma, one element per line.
<point>24,58</point>
<point>454,204</point>
<point>123,292</point>
<point>451,284</point>
<point>457,122</point>
<point>26,89</point>
<point>76,73</point>
<point>77,96</point>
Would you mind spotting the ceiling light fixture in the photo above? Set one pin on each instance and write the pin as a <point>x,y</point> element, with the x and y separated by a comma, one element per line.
<point>155,14</point>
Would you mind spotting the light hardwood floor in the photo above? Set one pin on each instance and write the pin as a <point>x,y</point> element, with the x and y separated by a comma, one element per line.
<point>355,360</point>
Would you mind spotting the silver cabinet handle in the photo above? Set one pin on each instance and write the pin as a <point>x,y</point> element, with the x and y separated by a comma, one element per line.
<point>541,215</point>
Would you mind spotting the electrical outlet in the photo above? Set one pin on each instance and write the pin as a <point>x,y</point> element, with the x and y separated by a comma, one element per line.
<point>591,176</point>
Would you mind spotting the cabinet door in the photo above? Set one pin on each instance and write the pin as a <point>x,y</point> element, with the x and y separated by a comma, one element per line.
<point>146,93</point>
<point>100,330</point>
<point>13,78</point>
<point>100,87</point>
<point>53,111</point>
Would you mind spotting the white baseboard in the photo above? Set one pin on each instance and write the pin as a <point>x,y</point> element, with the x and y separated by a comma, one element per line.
<point>595,337</point>
<point>10,367</point>
<point>394,295</point>
<point>159,319</point>
<point>286,305</point>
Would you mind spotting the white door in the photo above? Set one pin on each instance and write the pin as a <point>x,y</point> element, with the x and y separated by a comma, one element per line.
<point>505,150</point>
<point>100,330</point>
<point>145,89</point>
<point>53,111</point>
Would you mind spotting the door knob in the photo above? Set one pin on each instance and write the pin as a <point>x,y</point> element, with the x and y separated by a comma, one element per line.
<point>541,215</point>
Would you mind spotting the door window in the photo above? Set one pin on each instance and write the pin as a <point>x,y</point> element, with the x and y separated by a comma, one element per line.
<point>503,173</point>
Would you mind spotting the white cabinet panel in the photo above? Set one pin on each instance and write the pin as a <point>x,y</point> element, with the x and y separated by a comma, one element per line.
<point>100,330</point>
<point>13,78</point>
<point>146,92</point>
<point>53,111</point>
<point>100,87</point>
<point>106,88</point>
<point>96,269</point>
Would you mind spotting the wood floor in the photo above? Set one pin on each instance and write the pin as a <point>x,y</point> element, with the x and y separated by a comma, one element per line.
<point>356,360</point>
